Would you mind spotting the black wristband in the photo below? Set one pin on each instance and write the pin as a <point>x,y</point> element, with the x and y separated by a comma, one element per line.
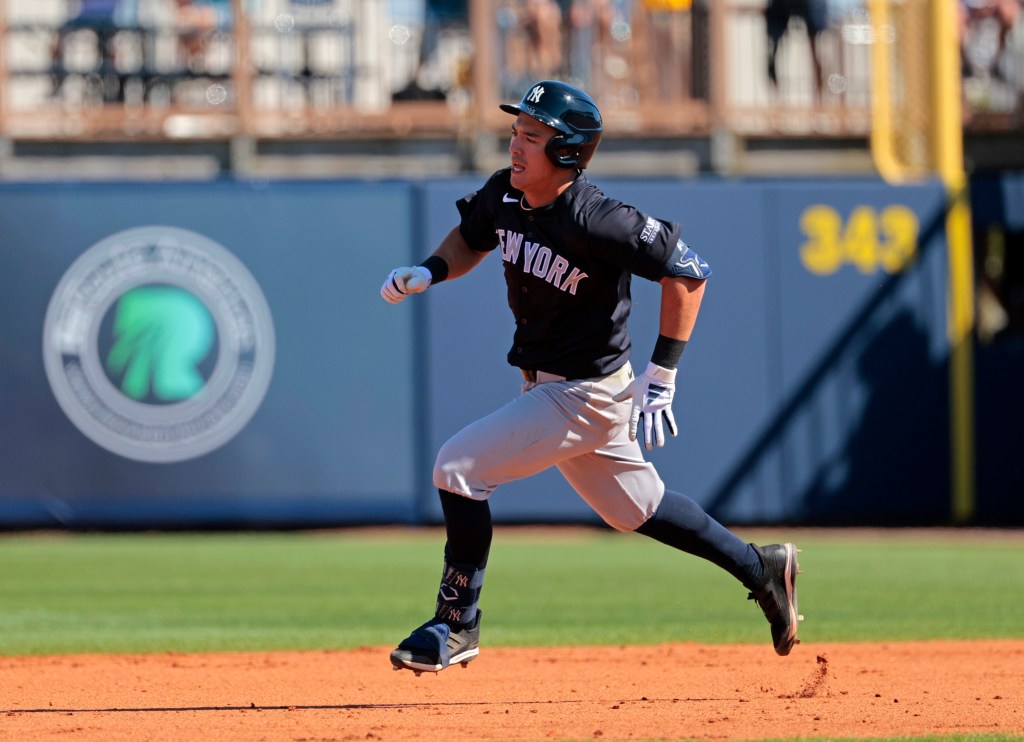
<point>438,268</point>
<point>667,352</point>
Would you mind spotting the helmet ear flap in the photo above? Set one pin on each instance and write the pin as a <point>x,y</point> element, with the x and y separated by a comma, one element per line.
<point>563,149</point>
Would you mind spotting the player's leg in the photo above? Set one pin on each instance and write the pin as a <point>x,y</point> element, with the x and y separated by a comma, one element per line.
<point>521,438</point>
<point>531,433</point>
<point>626,491</point>
<point>768,572</point>
<point>452,636</point>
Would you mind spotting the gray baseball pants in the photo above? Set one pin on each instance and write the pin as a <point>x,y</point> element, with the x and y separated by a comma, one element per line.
<point>577,426</point>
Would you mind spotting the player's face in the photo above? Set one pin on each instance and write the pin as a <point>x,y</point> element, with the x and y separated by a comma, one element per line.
<point>532,171</point>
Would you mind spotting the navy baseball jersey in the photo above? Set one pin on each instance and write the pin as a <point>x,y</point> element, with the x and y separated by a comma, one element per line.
<point>568,267</point>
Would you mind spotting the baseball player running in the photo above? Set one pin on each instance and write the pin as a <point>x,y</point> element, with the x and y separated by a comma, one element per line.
<point>569,253</point>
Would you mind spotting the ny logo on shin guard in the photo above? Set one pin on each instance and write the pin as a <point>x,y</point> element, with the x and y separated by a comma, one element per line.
<point>455,577</point>
<point>449,613</point>
<point>458,594</point>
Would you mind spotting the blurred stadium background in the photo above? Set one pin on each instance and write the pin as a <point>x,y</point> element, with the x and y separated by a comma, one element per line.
<point>317,143</point>
<point>193,88</point>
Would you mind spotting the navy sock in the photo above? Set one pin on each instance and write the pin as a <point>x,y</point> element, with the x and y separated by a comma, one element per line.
<point>469,529</point>
<point>682,524</point>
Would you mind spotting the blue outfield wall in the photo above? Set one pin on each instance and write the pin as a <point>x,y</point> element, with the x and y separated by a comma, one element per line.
<point>217,354</point>
<point>997,203</point>
<point>330,441</point>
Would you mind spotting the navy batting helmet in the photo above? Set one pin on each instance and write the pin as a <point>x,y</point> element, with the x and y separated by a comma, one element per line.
<point>569,110</point>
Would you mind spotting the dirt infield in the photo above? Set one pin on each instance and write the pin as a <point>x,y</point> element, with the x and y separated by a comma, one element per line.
<point>669,691</point>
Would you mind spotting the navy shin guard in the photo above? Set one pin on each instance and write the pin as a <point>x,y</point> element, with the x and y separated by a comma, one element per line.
<point>459,595</point>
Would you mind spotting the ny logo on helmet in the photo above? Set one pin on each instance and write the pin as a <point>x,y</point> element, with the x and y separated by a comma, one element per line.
<point>535,94</point>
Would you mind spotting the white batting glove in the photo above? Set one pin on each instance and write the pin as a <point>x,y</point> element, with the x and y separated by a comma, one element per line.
<point>404,281</point>
<point>652,400</point>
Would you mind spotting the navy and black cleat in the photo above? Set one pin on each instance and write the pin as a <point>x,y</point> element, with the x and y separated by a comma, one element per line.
<point>436,645</point>
<point>777,595</point>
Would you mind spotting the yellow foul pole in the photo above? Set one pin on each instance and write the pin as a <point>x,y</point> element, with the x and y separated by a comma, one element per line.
<point>949,158</point>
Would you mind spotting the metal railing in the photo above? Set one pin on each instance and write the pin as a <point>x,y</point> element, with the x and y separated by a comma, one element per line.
<point>352,69</point>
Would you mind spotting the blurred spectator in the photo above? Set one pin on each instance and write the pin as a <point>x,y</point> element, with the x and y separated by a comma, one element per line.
<point>440,17</point>
<point>542,23</point>
<point>846,11</point>
<point>196,21</point>
<point>778,14</point>
<point>971,12</point>
<point>589,45</point>
<point>103,18</point>
<point>668,38</point>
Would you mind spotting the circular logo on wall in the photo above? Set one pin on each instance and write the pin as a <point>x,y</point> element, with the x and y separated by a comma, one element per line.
<point>158,344</point>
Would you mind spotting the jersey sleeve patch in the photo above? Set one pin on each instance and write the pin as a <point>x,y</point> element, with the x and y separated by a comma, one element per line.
<point>650,231</point>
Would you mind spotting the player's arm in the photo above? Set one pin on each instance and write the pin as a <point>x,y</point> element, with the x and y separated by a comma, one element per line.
<point>682,290</point>
<point>458,256</point>
<point>680,302</point>
<point>452,258</point>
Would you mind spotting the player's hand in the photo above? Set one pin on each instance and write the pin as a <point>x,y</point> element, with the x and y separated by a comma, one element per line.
<point>404,281</point>
<point>652,402</point>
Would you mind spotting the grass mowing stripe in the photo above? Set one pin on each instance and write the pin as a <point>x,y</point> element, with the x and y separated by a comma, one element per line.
<point>180,592</point>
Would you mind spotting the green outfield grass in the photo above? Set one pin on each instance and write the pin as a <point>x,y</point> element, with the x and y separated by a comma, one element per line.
<point>141,593</point>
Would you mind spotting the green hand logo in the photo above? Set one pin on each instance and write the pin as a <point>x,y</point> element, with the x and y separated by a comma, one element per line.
<point>161,334</point>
